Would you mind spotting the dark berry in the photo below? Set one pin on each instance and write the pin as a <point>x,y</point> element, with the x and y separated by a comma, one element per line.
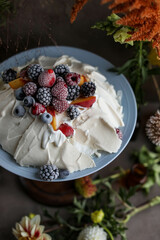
<point>61,70</point>
<point>9,75</point>
<point>73,92</point>
<point>19,94</point>
<point>46,118</point>
<point>28,101</point>
<point>63,173</point>
<point>72,78</point>
<point>30,88</point>
<point>49,172</point>
<point>34,71</point>
<point>44,96</point>
<point>73,112</point>
<point>60,79</point>
<point>19,111</point>
<point>88,89</point>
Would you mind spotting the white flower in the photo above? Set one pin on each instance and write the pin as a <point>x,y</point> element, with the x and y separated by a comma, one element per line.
<point>30,229</point>
<point>92,233</point>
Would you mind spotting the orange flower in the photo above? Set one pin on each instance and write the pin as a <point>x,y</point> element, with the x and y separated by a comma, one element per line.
<point>143,16</point>
<point>85,187</point>
<point>78,5</point>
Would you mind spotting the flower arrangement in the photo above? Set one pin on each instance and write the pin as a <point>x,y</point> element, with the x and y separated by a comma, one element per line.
<point>104,214</point>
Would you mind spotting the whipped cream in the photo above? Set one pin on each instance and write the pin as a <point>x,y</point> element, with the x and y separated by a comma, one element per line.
<point>33,143</point>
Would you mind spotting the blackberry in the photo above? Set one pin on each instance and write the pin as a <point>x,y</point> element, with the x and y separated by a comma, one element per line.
<point>73,112</point>
<point>88,89</point>
<point>49,172</point>
<point>9,75</point>
<point>44,96</point>
<point>34,71</point>
<point>61,70</point>
<point>73,92</point>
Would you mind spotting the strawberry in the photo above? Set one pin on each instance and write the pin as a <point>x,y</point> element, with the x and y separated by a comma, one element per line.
<point>67,130</point>
<point>59,91</point>
<point>60,105</point>
<point>38,108</point>
<point>47,78</point>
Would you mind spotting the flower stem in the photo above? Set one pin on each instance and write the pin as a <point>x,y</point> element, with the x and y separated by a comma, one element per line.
<point>107,230</point>
<point>151,203</point>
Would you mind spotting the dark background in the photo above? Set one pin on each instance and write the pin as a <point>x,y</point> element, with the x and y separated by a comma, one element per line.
<point>47,22</point>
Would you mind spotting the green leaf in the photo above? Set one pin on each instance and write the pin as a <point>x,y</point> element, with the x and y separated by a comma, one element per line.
<point>154,71</point>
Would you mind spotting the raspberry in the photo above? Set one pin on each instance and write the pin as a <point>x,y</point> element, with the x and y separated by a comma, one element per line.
<point>9,75</point>
<point>49,172</point>
<point>37,109</point>
<point>47,78</point>
<point>61,70</point>
<point>30,88</point>
<point>44,96</point>
<point>67,130</point>
<point>33,71</point>
<point>88,89</point>
<point>59,91</point>
<point>72,78</point>
<point>73,112</point>
<point>119,132</point>
<point>60,106</point>
<point>23,73</point>
<point>60,79</point>
<point>73,92</point>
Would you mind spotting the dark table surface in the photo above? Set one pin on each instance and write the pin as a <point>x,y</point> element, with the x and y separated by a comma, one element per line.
<point>43,23</point>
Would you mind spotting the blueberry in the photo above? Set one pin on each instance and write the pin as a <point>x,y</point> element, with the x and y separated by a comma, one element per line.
<point>46,118</point>
<point>28,101</point>
<point>19,111</point>
<point>63,173</point>
<point>19,94</point>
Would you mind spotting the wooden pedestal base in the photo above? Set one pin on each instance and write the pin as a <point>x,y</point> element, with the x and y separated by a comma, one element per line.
<point>53,194</point>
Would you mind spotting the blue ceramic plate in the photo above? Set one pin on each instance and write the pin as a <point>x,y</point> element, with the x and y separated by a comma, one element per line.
<point>119,82</point>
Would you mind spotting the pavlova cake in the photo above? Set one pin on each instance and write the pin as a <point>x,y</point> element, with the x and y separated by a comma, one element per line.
<point>56,114</point>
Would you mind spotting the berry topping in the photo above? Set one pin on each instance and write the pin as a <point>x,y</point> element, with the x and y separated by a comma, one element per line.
<point>37,109</point>
<point>73,92</point>
<point>63,173</point>
<point>119,132</point>
<point>19,94</point>
<point>59,91</point>
<point>46,118</point>
<point>30,88</point>
<point>67,130</point>
<point>28,101</point>
<point>72,78</point>
<point>61,70</point>
<point>60,105</point>
<point>19,111</point>
<point>51,110</point>
<point>47,78</point>
<point>85,101</point>
<point>49,172</point>
<point>88,89</point>
<point>34,71</point>
<point>9,75</point>
<point>44,96</point>
<point>73,112</point>
<point>23,73</point>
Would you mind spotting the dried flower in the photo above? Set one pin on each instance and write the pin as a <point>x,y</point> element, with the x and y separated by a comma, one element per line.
<point>30,229</point>
<point>97,216</point>
<point>153,128</point>
<point>141,15</point>
<point>85,187</point>
<point>78,5</point>
<point>92,233</point>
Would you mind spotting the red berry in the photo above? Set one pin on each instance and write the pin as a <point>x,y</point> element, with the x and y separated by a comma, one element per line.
<point>72,78</point>
<point>119,132</point>
<point>38,108</point>
<point>60,105</point>
<point>67,130</point>
<point>59,91</point>
<point>47,78</point>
